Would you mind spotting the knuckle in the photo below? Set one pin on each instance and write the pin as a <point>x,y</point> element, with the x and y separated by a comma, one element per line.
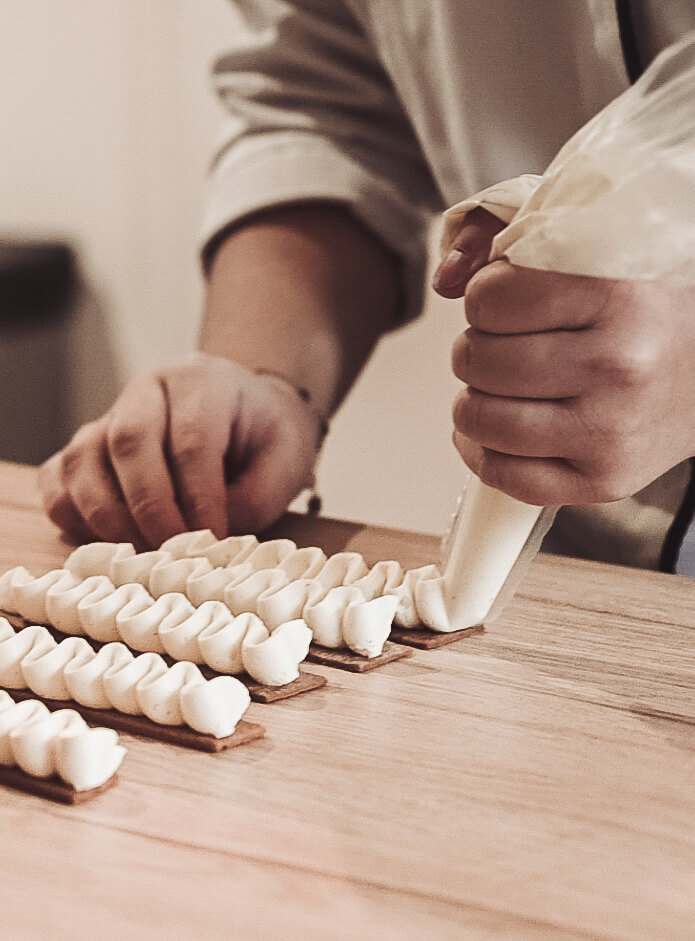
<point>483,290</point>
<point>72,459</point>
<point>146,508</point>
<point>190,441</point>
<point>125,440</point>
<point>99,519</point>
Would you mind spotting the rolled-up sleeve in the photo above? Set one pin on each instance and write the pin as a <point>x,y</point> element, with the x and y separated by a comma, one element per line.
<point>311,115</point>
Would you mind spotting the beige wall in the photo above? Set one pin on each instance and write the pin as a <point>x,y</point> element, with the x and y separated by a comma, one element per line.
<point>107,122</point>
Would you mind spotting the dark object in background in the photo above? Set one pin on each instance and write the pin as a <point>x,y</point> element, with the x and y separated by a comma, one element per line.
<point>39,283</point>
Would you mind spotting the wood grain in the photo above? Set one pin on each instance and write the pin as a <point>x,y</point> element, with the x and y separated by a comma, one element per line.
<point>535,781</point>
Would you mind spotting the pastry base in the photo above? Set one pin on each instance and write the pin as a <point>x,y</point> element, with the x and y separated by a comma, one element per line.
<point>141,725</point>
<point>305,683</point>
<point>53,788</point>
<point>347,660</point>
<point>425,639</point>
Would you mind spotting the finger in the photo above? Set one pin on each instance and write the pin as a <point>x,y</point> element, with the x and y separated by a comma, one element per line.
<point>467,254</point>
<point>91,484</point>
<point>505,298</point>
<point>135,438</point>
<point>525,427</point>
<point>546,365</point>
<point>538,481</point>
<point>57,502</point>
<point>264,490</point>
<point>200,418</point>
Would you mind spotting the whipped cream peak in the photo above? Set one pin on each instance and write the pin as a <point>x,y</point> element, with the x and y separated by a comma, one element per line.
<point>137,568</point>
<point>269,555</point>
<point>173,574</point>
<point>23,594</point>
<point>64,598</point>
<point>382,577</point>
<point>343,568</point>
<point>191,543</point>
<point>180,636</point>
<point>220,642</point>
<point>96,558</point>
<point>230,551</point>
<point>139,622</point>
<point>274,658</point>
<point>244,596</point>
<point>304,563</point>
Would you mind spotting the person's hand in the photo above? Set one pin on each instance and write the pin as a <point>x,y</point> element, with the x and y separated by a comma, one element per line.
<point>205,444</point>
<point>579,390</point>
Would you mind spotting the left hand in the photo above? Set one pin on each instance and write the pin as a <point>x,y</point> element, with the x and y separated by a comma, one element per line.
<point>579,390</point>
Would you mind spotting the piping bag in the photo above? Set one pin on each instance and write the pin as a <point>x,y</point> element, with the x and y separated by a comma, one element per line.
<point>618,201</point>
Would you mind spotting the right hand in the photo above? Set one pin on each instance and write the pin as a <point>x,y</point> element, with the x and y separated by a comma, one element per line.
<point>204,444</point>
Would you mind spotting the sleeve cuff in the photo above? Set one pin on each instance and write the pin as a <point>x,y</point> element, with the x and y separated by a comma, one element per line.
<point>280,169</point>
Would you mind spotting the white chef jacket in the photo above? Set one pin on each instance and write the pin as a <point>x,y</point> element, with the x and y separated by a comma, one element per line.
<point>399,108</point>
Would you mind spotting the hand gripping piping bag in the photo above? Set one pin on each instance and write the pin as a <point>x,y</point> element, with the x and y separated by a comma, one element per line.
<point>618,201</point>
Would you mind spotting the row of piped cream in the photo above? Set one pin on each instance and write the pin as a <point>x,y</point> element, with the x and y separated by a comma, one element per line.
<point>44,743</point>
<point>274,579</point>
<point>418,591</point>
<point>112,678</point>
<point>170,624</point>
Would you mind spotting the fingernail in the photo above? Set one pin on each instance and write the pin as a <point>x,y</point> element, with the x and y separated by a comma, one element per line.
<point>449,274</point>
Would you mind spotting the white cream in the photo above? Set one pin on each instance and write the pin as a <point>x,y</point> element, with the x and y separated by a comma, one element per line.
<point>139,621</point>
<point>180,638</point>
<point>15,646</point>
<point>44,670</point>
<point>243,597</point>
<point>343,568</point>
<point>13,715</point>
<point>85,680</point>
<point>98,618</point>
<point>136,568</point>
<point>191,543</point>
<point>407,614</point>
<point>345,618</point>
<point>96,558</point>
<point>325,615</point>
<point>230,551</point>
<point>122,679</point>
<point>29,594</point>
<point>273,659</point>
<point>220,642</point>
<point>114,678</point>
<point>488,536</point>
<point>276,606</point>
<point>214,706</point>
<point>171,575</point>
<point>88,758</point>
<point>382,578</point>
<point>366,625</point>
<point>269,555</point>
<point>304,563</point>
<point>208,586</point>
<point>63,601</point>
<point>42,743</point>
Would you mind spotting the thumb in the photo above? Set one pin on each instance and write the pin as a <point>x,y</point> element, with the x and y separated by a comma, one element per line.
<point>468,252</point>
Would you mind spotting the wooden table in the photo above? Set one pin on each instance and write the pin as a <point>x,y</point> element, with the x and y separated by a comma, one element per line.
<point>536,781</point>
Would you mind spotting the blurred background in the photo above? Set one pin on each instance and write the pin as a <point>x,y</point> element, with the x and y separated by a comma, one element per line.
<point>108,122</point>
